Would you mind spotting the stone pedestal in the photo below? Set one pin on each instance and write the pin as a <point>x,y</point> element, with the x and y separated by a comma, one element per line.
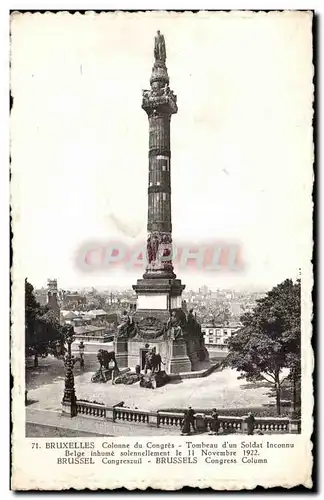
<point>69,409</point>
<point>110,414</point>
<point>294,426</point>
<point>178,360</point>
<point>153,420</point>
<point>158,295</point>
<point>121,353</point>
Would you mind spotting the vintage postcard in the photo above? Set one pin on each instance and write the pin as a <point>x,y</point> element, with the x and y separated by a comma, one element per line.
<point>161,197</point>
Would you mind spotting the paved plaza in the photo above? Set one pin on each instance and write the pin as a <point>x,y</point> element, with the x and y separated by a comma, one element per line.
<point>221,389</point>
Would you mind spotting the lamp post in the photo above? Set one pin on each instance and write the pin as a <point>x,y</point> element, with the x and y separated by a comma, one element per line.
<point>81,352</point>
<point>69,405</point>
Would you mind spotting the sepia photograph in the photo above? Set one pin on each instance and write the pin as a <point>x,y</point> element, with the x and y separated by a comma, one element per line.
<point>161,200</point>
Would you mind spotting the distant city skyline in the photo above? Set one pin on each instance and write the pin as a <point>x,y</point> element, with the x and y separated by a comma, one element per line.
<point>241,142</point>
<point>119,288</point>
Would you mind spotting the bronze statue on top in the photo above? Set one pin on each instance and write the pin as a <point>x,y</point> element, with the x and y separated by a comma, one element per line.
<point>159,48</point>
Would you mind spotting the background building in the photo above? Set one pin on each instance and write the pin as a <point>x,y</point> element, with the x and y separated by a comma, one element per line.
<point>218,334</point>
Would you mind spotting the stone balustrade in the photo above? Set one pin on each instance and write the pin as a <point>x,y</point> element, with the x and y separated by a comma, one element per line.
<point>271,425</point>
<point>94,338</point>
<point>91,409</point>
<point>169,418</point>
<point>227,424</point>
<point>122,414</point>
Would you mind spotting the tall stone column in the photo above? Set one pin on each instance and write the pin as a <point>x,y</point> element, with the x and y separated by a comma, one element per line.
<point>159,289</point>
<point>159,292</point>
<point>159,103</point>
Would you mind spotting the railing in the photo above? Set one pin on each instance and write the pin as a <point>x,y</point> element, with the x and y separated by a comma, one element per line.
<point>169,419</point>
<point>89,338</point>
<point>91,409</point>
<point>227,424</point>
<point>272,425</point>
<point>130,415</point>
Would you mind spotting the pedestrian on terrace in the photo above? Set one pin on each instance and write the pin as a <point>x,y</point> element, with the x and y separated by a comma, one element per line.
<point>250,420</point>
<point>191,419</point>
<point>214,424</point>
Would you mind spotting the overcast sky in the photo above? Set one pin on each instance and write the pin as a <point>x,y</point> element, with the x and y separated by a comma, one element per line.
<point>241,142</point>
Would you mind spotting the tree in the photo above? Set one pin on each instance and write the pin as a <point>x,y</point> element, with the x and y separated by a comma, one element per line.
<point>269,340</point>
<point>42,328</point>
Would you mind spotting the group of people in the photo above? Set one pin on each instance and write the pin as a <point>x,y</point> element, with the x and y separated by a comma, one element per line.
<point>189,422</point>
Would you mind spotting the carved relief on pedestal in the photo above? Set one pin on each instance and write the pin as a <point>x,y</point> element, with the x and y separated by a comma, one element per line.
<point>159,251</point>
<point>150,328</point>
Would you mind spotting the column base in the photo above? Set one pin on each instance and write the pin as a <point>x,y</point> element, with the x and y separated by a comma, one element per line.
<point>121,353</point>
<point>179,361</point>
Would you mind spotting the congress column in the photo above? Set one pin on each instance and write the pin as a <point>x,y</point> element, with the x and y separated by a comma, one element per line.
<point>159,103</point>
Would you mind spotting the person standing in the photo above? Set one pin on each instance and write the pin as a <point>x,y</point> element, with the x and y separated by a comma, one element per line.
<point>250,420</point>
<point>215,424</point>
<point>191,419</point>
